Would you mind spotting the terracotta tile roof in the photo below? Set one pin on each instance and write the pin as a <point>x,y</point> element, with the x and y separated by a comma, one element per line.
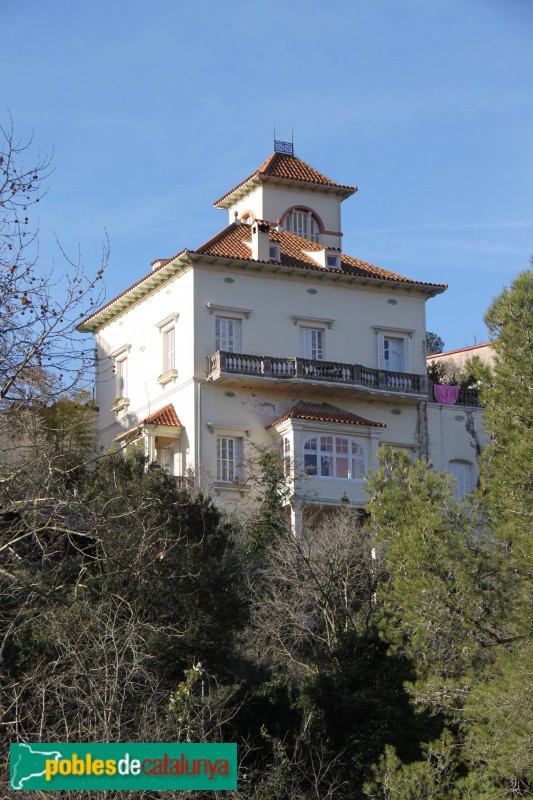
<point>280,165</point>
<point>325,412</point>
<point>290,168</point>
<point>231,243</point>
<point>460,350</point>
<point>165,416</point>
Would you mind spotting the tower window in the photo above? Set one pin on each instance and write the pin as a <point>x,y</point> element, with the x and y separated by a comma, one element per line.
<point>303,223</point>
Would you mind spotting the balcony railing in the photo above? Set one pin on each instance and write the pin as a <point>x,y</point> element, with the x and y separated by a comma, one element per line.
<point>224,363</point>
<point>468,396</point>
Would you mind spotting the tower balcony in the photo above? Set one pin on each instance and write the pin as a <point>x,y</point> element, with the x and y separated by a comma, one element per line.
<point>241,369</point>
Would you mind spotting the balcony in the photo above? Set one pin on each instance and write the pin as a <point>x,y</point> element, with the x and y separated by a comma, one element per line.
<point>468,396</point>
<point>223,365</point>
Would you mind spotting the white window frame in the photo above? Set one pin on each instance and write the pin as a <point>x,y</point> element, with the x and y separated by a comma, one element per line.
<point>228,331</point>
<point>394,351</point>
<point>303,223</point>
<point>334,258</point>
<point>230,452</point>
<point>312,343</point>
<point>167,327</point>
<point>235,315</point>
<point>328,458</point>
<point>120,358</point>
<point>273,252</point>
<point>121,377</point>
<point>165,457</point>
<point>383,334</point>
<point>169,349</point>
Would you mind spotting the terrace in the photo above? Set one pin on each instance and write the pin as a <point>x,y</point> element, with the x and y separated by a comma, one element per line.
<point>223,366</point>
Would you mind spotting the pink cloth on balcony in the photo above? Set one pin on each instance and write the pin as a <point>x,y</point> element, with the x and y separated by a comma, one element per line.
<point>446,394</point>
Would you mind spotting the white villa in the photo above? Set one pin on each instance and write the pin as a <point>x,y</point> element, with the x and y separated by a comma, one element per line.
<point>270,336</point>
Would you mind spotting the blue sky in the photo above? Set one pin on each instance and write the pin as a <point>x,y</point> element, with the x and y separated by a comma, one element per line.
<point>155,109</point>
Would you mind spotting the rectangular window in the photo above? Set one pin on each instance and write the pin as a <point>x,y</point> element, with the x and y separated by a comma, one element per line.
<point>462,472</point>
<point>228,334</point>
<point>229,459</point>
<point>312,343</point>
<point>169,350</point>
<point>273,252</point>
<point>332,262</point>
<point>334,457</point>
<point>299,223</point>
<point>165,458</point>
<point>121,377</point>
<point>393,354</point>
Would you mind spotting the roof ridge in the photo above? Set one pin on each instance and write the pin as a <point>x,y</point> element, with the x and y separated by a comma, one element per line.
<point>265,163</point>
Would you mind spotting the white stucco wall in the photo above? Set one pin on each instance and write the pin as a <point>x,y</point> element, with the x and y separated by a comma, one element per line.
<point>356,312</point>
<point>138,329</point>
<point>270,202</point>
<point>244,408</point>
<point>449,438</point>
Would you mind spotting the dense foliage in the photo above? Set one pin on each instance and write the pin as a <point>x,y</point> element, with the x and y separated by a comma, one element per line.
<point>380,656</point>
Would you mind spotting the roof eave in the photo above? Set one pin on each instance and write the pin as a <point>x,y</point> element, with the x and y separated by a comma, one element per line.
<point>155,428</point>
<point>341,191</point>
<point>277,267</point>
<point>251,183</point>
<point>137,292</point>
<point>239,192</point>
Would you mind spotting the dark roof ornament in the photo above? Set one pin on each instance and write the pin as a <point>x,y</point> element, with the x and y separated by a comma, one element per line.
<point>286,148</point>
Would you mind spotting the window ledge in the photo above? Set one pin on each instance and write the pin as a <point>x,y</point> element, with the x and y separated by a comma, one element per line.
<point>120,404</point>
<point>350,481</point>
<point>243,488</point>
<point>167,377</point>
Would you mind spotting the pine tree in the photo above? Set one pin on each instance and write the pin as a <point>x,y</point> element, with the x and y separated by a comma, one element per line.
<point>457,599</point>
<point>507,463</point>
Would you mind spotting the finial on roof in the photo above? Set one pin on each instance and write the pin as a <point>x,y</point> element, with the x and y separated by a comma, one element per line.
<point>285,148</point>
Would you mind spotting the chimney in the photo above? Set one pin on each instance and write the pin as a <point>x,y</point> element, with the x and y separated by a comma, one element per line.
<point>260,240</point>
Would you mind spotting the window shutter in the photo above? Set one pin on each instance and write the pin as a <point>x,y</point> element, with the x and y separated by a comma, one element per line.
<point>462,472</point>
<point>170,348</point>
<point>407,354</point>
<point>236,336</point>
<point>237,459</point>
<point>305,343</point>
<point>381,351</point>
<point>124,377</point>
<point>228,334</point>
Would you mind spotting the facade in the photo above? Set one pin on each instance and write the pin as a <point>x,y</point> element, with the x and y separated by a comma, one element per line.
<point>268,335</point>
<point>455,361</point>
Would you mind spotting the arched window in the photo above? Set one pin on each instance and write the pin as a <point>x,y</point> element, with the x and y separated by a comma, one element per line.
<point>334,457</point>
<point>248,218</point>
<point>462,472</point>
<point>303,223</point>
